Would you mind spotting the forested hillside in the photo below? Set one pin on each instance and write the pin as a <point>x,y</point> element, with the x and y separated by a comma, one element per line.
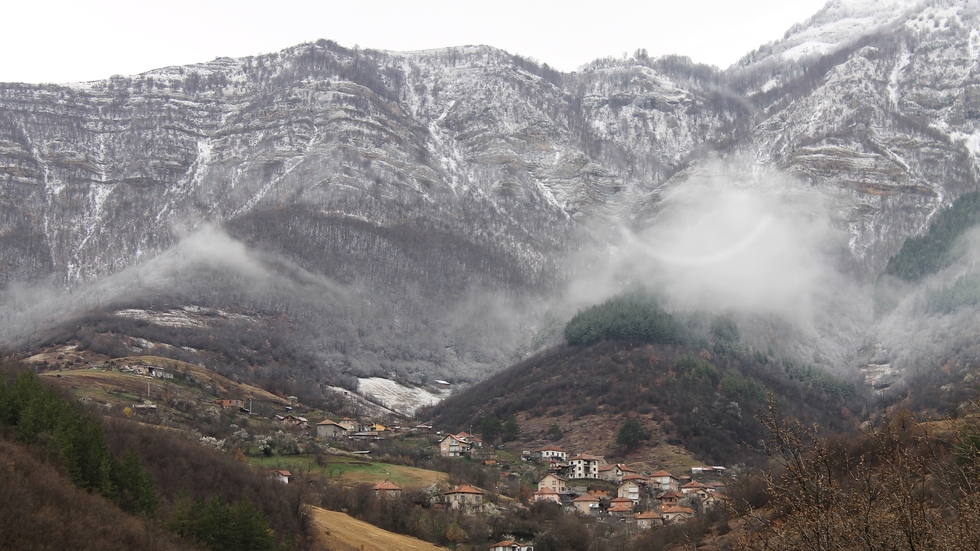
<point>128,485</point>
<point>687,378</point>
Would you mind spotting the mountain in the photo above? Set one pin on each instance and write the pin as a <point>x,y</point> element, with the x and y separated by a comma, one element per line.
<point>337,213</point>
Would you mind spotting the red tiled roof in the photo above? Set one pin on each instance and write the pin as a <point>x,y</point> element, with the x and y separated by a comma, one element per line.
<point>586,457</point>
<point>586,498</point>
<point>648,515</point>
<point>661,473</point>
<point>464,489</point>
<point>676,509</point>
<point>386,486</point>
<point>546,490</point>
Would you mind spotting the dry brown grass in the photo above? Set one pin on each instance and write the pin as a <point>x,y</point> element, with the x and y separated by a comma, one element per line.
<point>338,532</point>
<point>119,389</point>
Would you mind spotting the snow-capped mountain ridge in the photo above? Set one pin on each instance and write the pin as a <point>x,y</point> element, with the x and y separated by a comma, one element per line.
<point>410,190</point>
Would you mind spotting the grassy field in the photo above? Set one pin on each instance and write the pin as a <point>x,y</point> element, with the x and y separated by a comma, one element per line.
<point>353,470</point>
<point>339,532</point>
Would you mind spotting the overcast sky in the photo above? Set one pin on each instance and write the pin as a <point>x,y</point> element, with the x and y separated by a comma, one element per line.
<point>69,41</point>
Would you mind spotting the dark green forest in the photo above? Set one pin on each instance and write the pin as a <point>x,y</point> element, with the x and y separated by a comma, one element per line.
<point>629,317</point>
<point>926,254</point>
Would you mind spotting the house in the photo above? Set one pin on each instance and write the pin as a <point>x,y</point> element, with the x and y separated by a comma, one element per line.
<point>629,490</point>
<point>585,466</point>
<point>349,424</point>
<point>636,478</point>
<point>553,453</point>
<point>547,494</point>
<point>282,476</point>
<point>716,488</point>
<point>293,421</point>
<point>458,445</point>
<point>329,429</point>
<point>693,487</point>
<point>463,497</point>
<point>386,490</point>
<point>161,373</point>
<point>671,498</point>
<point>453,446</point>
<point>444,385</point>
<point>648,519</point>
<point>621,506</point>
<point>705,469</point>
<point>229,404</point>
<point>554,482</point>
<point>664,481</point>
<point>713,499</point>
<point>615,472</point>
<point>586,505</point>
<point>675,513</point>
<point>510,545</point>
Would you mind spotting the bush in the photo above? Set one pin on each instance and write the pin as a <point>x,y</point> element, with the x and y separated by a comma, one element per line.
<point>631,434</point>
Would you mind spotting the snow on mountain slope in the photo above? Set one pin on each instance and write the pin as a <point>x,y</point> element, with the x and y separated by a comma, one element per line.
<point>416,212</point>
<point>400,398</point>
<point>841,22</point>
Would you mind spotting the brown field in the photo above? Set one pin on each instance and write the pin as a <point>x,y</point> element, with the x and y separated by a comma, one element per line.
<point>117,388</point>
<point>339,532</point>
<point>351,471</point>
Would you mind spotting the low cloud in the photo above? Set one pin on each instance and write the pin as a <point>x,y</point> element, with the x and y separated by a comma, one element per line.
<point>734,238</point>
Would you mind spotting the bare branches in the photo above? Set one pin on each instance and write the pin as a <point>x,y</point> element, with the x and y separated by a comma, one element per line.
<point>896,486</point>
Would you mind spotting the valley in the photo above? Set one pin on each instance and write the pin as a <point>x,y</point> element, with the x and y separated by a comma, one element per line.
<point>346,298</point>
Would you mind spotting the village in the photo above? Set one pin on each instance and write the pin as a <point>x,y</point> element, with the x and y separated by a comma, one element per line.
<point>285,438</point>
<point>647,499</point>
<point>580,484</point>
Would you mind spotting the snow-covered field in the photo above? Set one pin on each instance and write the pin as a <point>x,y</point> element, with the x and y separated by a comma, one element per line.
<point>403,399</point>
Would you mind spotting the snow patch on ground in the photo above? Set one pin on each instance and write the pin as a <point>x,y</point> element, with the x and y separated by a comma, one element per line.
<point>188,316</point>
<point>403,399</point>
<point>971,141</point>
<point>893,90</point>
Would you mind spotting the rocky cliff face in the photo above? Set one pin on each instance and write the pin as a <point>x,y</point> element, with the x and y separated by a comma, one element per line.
<point>417,210</point>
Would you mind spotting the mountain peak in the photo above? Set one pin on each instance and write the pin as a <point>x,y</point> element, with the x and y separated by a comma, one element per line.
<point>842,22</point>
